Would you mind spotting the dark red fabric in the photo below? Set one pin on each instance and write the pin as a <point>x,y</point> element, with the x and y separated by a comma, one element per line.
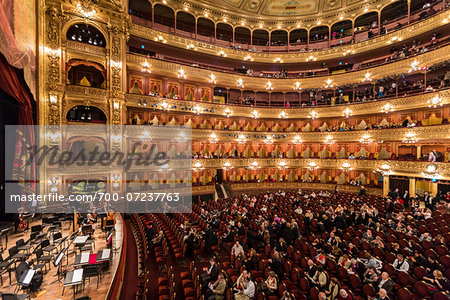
<point>14,85</point>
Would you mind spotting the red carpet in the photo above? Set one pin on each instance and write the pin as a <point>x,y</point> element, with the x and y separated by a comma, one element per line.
<point>130,279</point>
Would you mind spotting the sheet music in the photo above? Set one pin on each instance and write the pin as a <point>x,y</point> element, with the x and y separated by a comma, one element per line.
<point>84,257</point>
<point>80,239</point>
<point>29,276</point>
<point>77,275</point>
<point>106,253</point>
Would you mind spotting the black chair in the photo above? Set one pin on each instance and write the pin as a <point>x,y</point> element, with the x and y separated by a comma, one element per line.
<point>92,271</point>
<point>41,258</point>
<point>4,266</point>
<point>36,228</point>
<point>46,247</point>
<point>22,246</point>
<point>36,237</point>
<point>15,254</point>
<point>10,296</point>
<point>57,238</point>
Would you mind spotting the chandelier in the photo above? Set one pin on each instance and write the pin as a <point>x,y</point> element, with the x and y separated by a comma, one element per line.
<point>435,102</point>
<point>409,138</point>
<point>347,112</point>
<point>313,115</point>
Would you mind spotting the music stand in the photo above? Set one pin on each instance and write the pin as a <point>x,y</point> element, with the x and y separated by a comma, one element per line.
<point>5,233</point>
<point>57,263</point>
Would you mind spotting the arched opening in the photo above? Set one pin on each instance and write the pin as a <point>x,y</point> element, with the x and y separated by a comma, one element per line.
<point>419,5</point>
<point>318,34</point>
<point>279,38</point>
<point>298,36</point>
<point>205,27</point>
<point>341,29</point>
<point>164,15</point>
<point>224,32</point>
<point>185,22</point>
<point>394,11</point>
<point>86,114</point>
<point>260,37</point>
<point>366,21</point>
<point>86,73</point>
<point>87,34</point>
<point>141,9</point>
<point>242,35</point>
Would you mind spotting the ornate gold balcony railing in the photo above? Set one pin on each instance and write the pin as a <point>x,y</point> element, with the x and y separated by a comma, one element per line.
<point>427,25</point>
<point>396,167</point>
<point>195,74</point>
<point>367,108</point>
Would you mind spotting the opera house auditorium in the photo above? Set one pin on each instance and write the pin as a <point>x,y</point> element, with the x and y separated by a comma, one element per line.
<point>218,150</point>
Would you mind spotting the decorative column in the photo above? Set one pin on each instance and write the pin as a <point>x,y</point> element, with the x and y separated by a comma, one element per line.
<point>329,36</point>
<point>409,11</point>
<point>385,185</point>
<point>412,187</point>
<point>379,23</point>
<point>434,188</point>
<point>196,21</point>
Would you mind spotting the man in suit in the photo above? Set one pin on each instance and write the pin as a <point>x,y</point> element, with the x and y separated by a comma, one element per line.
<point>389,208</point>
<point>428,200</point>
<point>211,273</point>
<point>405,199</point>
<point>384,282</point>
<point>36,281</point>
<point>217,290</point>
<point>276,265</point>
<point>209,240</point>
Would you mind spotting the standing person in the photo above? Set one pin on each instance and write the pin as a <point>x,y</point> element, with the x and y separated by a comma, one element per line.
<point>428,200</point>
<point>406,199</point>
<point>389,208</point>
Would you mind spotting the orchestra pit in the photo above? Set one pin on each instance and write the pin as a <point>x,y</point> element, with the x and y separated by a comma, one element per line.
<point>219,150</point>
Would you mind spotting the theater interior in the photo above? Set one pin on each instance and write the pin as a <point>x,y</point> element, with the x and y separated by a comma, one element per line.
<point>233,149</point>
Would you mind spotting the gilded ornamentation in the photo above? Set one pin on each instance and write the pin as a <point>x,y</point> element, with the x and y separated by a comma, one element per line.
<point>53,69</point>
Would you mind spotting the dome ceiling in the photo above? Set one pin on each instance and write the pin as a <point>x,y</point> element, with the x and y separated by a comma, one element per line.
<point>286,9</point>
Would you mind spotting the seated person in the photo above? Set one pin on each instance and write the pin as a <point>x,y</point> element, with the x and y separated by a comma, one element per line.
<point>216,291</point>
<point>211,273</point>
<point>237,250</point>
<point>158,239</point>
<point>384,282</point>
<point>36,281</point>
<point>248,292</point>
<point>270,285</point>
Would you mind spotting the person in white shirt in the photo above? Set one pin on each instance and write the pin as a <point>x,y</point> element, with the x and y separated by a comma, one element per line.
<point>237,250</point>
<point>247,293</point>
<point>400,264</point>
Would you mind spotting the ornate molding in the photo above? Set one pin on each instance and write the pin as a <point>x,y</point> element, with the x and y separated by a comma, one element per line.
<point>85,49</point>
<point>84,91</point>
<point>195,74</point>
<point>367,108</point>
<point>207,48</point>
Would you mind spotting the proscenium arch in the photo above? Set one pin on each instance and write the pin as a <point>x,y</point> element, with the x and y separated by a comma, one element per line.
<point>185,21</point>
<point>205,27</point>
<point>164,15</point>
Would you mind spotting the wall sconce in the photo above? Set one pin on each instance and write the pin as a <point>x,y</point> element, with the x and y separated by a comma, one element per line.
<point>311,58</point>
<point>367,77</point>
<point>329,83</point>
<point>240,83</point>
<point>283,115</point>
<point>269,86</point>
<point>347,112</point>
<point>329,140</point>
<point>212,78</point>
<point>255,114</point>
<point>268,139</point>
<point>297,86</point>
<point>197,167</point>
<point>409,138</point>
<point>165,105</point>
<point>84,12</point>
<point>385,170</point>
<point>197,109</point>
<point>53,185</point>
<point>278,60</point>
<point>365,139</point>
<point>53,99</point>
<point>116,105</point>
<point>435,102</point>
<point>414,66</point>
<point>228,112</point>
<point>313,115</point>
<point>222,53</point>
<point>115,181</point>
<point>227,166</point>
<point>160,39</point>
<point>254,166</point>
<point>312,166</point>
<point>248,57</point>
<point>146,67</point>
<point>282,165</point>
<point>431,172</point>
<point>387,108</point>
<point>213,138</point>
<point>241,139</point>
<point>191,47</point>
<point>297,140</point>
<point>346,167</point>
<point>181,74</point>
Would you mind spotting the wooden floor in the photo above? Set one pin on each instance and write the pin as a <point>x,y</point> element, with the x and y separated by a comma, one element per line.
<point>53,288</point>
